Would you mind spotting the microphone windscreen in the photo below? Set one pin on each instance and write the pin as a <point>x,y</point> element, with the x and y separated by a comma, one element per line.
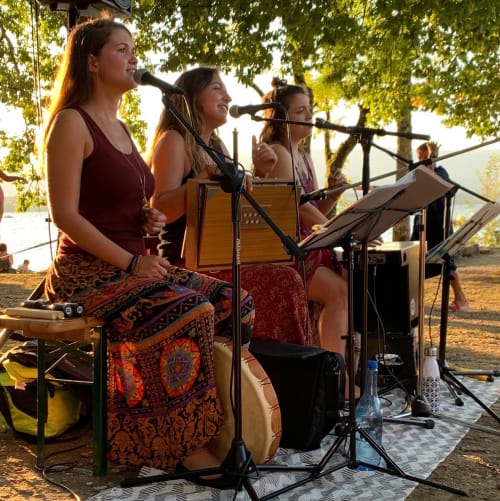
<point>139,75</point>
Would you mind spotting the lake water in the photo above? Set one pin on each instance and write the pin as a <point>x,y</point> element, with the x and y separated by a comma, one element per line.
<point>28,235</point>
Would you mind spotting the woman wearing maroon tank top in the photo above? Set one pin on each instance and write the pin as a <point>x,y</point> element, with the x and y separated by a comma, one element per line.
<point>163,407</point>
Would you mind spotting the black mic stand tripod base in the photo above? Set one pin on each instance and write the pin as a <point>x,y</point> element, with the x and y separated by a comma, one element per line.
<point>451,244</point>
<point>351,431</point>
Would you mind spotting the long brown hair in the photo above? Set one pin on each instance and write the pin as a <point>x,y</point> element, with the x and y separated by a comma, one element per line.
<point>73,83</point>
<point>275,131</point>
<point>192,82</point>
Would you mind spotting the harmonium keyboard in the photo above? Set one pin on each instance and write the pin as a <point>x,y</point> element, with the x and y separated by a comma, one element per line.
<point>208,241</point>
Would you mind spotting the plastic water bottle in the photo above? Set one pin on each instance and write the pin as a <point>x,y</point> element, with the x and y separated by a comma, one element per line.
<point>431,379</point>
<point>369,418</point>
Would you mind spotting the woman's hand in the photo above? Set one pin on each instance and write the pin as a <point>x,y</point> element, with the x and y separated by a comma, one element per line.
<point>337,181</point>
<point>150,267</point>
<point>264,157</point>
<point>154,220</point>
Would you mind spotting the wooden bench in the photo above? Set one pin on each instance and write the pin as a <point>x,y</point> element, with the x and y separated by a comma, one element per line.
<point>70,334</point>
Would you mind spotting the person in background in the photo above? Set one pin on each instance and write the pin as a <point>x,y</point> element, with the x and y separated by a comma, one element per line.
<point>326,278</point>
<point>160,320</point>
<point>175,157</point>
<point>6,260</point>
<point>25,267</point>
<point>9,179</point>
<point>435,231</point>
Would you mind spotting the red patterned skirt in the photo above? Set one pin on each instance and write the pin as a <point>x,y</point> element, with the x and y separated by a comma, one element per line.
<point>162,399</point>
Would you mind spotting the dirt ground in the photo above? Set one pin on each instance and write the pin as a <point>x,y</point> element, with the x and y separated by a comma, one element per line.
<point>472,342</point>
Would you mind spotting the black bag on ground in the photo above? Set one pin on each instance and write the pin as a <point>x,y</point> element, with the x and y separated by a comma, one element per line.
<point>309,383</point>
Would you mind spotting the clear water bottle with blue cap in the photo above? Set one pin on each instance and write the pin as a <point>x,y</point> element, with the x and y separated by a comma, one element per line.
<point>369,418</point>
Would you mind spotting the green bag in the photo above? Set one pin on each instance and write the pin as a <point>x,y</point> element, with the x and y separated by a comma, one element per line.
<point>18,400</point>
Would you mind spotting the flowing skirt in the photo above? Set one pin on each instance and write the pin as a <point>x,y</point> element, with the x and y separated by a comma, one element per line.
<point>162,399</point>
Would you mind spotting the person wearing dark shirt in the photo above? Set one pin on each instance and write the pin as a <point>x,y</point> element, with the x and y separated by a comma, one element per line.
<point>435,230</point>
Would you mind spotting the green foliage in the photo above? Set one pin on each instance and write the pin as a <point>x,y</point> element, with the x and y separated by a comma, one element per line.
<point>489,178</point>
<point>389,57</point>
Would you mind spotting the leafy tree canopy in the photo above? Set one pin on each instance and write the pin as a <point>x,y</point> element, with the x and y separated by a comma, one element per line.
<point>387,57</point>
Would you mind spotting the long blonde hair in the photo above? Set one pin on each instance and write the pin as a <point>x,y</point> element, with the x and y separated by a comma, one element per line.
<point>73,84</point>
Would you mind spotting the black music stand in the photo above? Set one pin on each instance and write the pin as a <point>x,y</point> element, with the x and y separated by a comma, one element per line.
<point>363,221</point>
<point>440,254</point>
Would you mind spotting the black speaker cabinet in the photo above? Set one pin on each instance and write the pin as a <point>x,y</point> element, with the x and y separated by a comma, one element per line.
<point>397,354</point>
<point>392,287</point>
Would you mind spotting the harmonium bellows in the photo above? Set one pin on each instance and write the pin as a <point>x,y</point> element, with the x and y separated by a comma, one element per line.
<point>208,243</point>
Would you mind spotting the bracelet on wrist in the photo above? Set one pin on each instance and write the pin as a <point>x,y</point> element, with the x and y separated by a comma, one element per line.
<point>136,264</point>
<point>131,266</point>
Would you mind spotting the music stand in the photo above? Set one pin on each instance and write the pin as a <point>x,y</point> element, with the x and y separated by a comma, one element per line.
<point>366,219</point>
<point>440,254</point>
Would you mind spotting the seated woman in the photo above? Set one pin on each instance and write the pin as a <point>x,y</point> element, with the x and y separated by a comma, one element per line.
<point>175,157</point>
<point>163,405</point>
<point>326,278</point>
<point>6,260</point>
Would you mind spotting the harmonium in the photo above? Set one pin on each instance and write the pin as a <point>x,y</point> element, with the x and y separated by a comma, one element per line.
<point>208,241</point>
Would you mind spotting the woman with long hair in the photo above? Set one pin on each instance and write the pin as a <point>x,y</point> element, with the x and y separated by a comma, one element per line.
<point>326,279</point>
<point>160,320</point>
<point>278,291</point>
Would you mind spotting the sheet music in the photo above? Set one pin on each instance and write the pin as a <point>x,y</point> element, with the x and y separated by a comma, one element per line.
<point>459,238</point>
<point>380,209</point>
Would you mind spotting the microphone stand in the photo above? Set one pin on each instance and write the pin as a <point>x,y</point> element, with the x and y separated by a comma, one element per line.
<point>238,462</point>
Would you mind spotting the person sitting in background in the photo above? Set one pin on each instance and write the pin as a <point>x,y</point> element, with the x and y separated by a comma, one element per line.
<point>25,267</point>
<point>6,260</point>
<point>435,231</point>
<point>160,320</point>
<point>175,157</point>
<point>10,179</point>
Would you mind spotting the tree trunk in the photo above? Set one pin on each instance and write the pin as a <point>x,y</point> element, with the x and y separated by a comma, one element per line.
<point>401,231</point>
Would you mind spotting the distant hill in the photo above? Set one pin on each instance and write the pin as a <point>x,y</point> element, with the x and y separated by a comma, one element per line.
<point>464,169</point>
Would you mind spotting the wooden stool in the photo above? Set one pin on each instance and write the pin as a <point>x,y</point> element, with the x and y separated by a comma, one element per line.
<point>82,331</point>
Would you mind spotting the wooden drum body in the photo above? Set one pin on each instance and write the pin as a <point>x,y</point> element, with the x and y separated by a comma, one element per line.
<point>261,416</point>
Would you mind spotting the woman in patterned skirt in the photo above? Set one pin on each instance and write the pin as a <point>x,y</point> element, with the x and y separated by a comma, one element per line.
<point>160,320</point>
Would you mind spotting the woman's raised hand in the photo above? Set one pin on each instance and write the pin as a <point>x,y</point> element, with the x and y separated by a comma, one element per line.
<point>263,157</point>
<point>153,221</point>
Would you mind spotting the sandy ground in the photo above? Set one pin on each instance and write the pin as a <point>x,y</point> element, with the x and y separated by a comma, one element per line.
<point>471,342</point>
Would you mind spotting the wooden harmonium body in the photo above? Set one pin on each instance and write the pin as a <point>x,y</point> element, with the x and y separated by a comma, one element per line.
<point>208,243</point>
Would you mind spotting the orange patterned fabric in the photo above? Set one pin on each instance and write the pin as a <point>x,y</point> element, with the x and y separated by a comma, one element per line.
<point>162,398</point>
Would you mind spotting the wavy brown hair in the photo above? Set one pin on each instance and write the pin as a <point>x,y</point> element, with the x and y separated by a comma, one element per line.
<point>275,131</point>
<point>192,82</point>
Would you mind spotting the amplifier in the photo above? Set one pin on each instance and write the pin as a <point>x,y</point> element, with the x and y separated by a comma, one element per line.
<point>393,294</point>
<point>397,354</point>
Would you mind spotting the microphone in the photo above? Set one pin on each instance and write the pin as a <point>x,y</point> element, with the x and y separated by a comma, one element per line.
<point>236,111</point>
<point>321,123</point>
<point>143,77</point>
